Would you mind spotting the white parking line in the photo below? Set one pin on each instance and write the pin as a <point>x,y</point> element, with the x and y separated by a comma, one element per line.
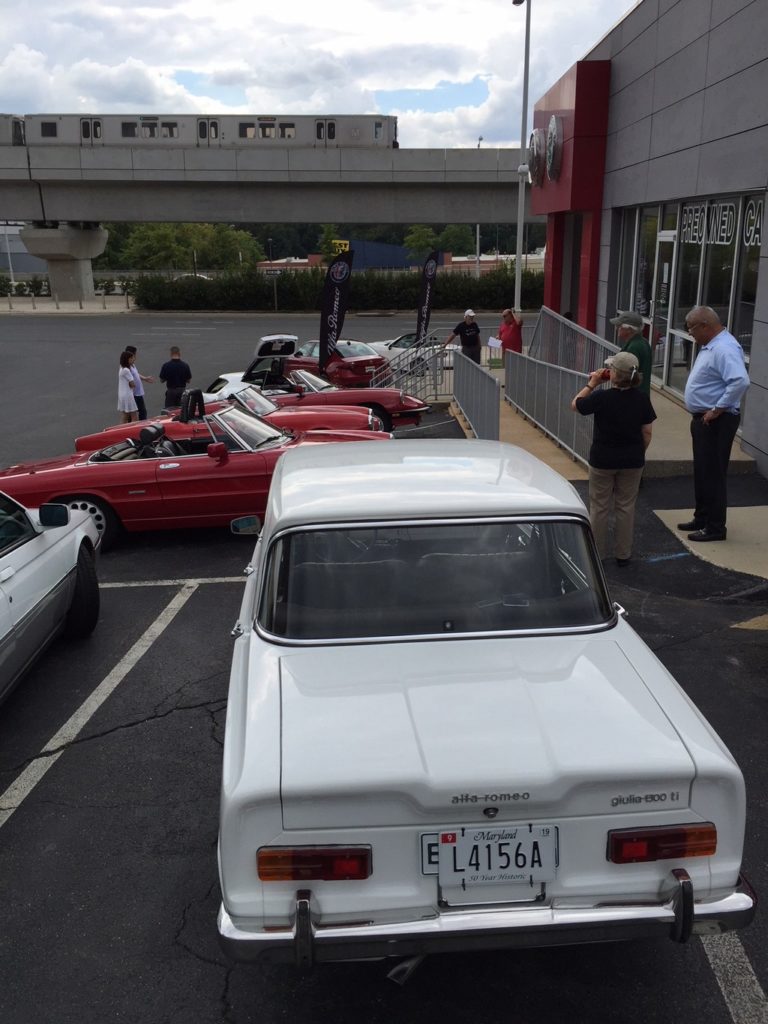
<point>20,789</point>
<point>172,583</point>
<point>741,989</point>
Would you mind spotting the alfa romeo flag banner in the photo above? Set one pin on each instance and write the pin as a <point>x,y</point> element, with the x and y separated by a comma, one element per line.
<point>425,298</point>
<point>334,304</point>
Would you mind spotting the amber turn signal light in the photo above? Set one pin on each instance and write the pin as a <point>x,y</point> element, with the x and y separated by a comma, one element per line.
<point>313,863</point>
<point>634,845</point>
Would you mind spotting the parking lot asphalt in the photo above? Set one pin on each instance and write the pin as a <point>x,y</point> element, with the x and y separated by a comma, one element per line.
<point>109,779</point>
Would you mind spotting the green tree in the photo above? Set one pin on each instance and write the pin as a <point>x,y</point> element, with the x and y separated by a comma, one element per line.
<point>420,239</point>
<point>457,239</point>
<point>156,247</point>
<point>325,242</point>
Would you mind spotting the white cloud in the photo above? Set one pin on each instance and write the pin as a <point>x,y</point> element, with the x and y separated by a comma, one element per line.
<point>173,56</point>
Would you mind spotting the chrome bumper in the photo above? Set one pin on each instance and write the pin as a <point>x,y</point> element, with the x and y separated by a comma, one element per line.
<point>306,941</point>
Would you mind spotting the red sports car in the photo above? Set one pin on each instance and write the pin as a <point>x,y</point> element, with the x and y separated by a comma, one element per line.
<point>222,472</point>
<point>352,363</point>
<point>393,407</point>
<point>180,424</point>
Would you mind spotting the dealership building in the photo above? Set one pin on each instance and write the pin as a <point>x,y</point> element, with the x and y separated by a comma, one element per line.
<point>649,158</point>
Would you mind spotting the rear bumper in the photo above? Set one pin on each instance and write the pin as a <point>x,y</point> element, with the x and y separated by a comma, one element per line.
<point>305,941</point>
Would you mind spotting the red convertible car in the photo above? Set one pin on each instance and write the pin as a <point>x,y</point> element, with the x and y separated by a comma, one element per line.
<point>155,483</point>
<point>352,364</point>
<point>300,387</point>
<point>180,424</point>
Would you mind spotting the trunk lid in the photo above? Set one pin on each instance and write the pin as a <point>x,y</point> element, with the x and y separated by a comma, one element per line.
<point>420,733</point>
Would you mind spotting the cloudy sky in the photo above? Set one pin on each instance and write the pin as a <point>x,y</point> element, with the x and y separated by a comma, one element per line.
<point>451,70</point>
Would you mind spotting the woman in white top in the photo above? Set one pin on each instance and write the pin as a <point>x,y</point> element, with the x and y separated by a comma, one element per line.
<point>126,403</point>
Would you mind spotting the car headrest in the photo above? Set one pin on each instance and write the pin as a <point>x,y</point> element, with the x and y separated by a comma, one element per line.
<point>151,434</point>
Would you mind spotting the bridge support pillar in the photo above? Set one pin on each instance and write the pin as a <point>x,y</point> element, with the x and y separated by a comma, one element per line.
<point>69,250</point>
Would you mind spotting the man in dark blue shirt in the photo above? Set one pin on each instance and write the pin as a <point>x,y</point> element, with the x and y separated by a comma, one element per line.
<point>176,375</point>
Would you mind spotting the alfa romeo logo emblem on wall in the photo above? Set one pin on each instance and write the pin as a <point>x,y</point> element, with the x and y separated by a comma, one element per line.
<point>536,156</point>
<point>554,147</point>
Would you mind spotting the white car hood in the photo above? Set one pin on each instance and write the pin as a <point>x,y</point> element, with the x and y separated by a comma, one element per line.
<point>408,733</point>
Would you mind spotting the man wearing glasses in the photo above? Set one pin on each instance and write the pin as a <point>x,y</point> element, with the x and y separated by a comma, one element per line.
<point>713,393</point>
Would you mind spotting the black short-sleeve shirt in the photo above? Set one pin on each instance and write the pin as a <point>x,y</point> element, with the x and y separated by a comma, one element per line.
<point>620,414</point>
<point>468,333</point>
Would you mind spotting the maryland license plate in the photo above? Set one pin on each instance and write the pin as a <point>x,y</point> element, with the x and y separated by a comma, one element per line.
<point>487,855</point>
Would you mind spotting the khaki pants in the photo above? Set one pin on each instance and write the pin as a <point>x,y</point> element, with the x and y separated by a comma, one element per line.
<point>617,488</point>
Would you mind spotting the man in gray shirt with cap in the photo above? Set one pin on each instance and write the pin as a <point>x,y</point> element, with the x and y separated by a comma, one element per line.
<point>629,331</point>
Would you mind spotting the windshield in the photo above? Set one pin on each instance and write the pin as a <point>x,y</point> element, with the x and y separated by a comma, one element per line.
<point>254,401</point>
<point>311,381</point>
<point>440,578</point>
<point>344,347</point>
<point>253,432</point>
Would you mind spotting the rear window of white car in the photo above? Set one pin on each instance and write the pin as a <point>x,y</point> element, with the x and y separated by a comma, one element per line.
<point>418,579</point>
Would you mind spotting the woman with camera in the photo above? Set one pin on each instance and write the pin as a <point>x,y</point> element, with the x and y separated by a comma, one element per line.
<point>623,417</point>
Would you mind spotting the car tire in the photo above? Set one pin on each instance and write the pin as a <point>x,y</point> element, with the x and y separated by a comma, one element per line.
<point>107,523</point>
<point>383,415</point>
<point>83,613</point>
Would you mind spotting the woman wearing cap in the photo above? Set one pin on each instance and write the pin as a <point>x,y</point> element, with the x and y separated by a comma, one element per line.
<point>623,417</point>
<point>469,333</point>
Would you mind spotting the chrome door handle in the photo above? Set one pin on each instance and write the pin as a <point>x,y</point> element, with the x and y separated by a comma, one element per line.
<point>6,574</point>
<point>169,465</point>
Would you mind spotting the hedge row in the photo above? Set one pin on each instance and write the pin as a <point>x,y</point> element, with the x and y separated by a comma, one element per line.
<point>297,291</point>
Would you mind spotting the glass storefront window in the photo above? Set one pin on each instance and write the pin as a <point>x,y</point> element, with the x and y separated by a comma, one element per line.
<point>749,260</point>
<point>646,260</point>
<point>714,247</point>
<point>669,217</point>
<point>692,230</point>
<point>722,217</point>
<point>624,295</point>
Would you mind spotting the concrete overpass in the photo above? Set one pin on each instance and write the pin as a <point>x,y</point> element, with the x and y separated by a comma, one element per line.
<point>77,185</point>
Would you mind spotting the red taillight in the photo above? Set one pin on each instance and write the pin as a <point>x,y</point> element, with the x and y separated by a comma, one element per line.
<point>319,863</point>
<point>632,845</point>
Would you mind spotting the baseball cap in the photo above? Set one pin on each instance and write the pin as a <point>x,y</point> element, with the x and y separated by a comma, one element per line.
<point>469,312</point>
<point>623,361</point>
<point>627,318</point>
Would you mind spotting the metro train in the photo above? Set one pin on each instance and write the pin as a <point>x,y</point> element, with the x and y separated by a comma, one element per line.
<point>178,130</point>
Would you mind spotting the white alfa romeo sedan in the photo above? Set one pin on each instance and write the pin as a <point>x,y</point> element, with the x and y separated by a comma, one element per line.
<point>443,736</point>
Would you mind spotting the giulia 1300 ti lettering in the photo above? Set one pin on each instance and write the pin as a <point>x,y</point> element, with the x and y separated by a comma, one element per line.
<point>443,736</point>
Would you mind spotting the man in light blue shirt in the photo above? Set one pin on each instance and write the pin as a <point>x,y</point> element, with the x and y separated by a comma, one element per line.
<point>713,394</point>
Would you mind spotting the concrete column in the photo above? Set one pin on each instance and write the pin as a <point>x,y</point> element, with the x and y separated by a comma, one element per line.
<point>69,251</point>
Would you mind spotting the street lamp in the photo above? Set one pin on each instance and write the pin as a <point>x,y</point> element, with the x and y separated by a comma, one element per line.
<point>477,234</point>
<point>522,170</point>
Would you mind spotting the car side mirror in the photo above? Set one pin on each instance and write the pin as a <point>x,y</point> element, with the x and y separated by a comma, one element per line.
<point>54,515</point>
<point>301,390</point>
<point>218,451</point>
<point>245,526</point>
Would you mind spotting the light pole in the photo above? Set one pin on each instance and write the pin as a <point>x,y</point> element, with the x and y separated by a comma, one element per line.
<point>477,234</point>
<point>522,170</point>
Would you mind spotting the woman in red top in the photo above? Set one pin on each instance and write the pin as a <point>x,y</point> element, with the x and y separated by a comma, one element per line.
<point>511,331</point>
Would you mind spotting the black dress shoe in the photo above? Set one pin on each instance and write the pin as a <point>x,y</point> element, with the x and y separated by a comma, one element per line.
<point>691,525</point>
<point>707,535</point>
